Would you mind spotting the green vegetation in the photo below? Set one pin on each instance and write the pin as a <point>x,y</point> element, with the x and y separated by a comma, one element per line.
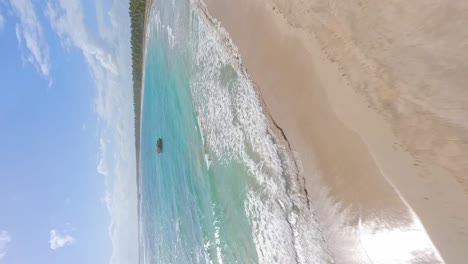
<point>137,16</point>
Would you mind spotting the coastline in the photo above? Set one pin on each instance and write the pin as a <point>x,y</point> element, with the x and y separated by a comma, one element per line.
<point>139,14</point>
<point>143,61</point>
<point>369,174</point>
<point>149,4</point>
<point>139,117</point>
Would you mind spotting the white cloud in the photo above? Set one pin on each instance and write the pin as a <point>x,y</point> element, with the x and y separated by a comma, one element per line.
<point>18,35</point>
<point>5,239</point>
<point>107,201</point>
<point>66,18</point>
<point>102,164</point>
<point>107,53</point>
<point>58,240</point>
<point>2,22</point>
<point>30,33</point>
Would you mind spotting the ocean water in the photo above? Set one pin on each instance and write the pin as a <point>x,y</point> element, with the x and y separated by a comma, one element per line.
<point>224,189</point>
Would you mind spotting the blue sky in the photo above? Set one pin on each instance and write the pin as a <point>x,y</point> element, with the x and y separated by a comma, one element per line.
<point>67,157</point>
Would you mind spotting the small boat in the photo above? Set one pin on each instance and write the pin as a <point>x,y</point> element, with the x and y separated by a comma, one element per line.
<point>159,145</point>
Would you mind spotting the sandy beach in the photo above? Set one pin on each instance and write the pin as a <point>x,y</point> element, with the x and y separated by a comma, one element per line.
<point>370,96</point>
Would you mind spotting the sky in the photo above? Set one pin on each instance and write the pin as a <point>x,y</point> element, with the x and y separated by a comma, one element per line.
<point>67,155</point>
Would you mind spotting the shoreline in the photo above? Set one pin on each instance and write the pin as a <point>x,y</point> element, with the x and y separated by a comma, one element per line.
<point>138,105</point>
<point>138,137</point>
<point>369,177</point>
<point>149,3</point>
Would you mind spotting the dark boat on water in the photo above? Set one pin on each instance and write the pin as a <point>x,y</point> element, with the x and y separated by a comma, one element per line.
<point>159,145</point>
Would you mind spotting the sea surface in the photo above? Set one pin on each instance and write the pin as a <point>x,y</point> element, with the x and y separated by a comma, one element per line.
<point>225,188</point>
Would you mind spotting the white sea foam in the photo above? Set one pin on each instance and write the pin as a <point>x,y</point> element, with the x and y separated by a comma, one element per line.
<point>157,21</point>
<point>217,237</point>
<point>170,37</point>
<point>208,161</point>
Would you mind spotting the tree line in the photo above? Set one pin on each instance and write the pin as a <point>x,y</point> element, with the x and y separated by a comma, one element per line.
<point>137,17</point>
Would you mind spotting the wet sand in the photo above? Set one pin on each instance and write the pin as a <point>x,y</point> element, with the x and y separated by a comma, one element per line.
<point>371,153</point>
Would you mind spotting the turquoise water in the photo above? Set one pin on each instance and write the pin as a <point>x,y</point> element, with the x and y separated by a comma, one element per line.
<point>224,189</point>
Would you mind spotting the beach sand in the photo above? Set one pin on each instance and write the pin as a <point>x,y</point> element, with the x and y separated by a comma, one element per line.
<point>371,96</point>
